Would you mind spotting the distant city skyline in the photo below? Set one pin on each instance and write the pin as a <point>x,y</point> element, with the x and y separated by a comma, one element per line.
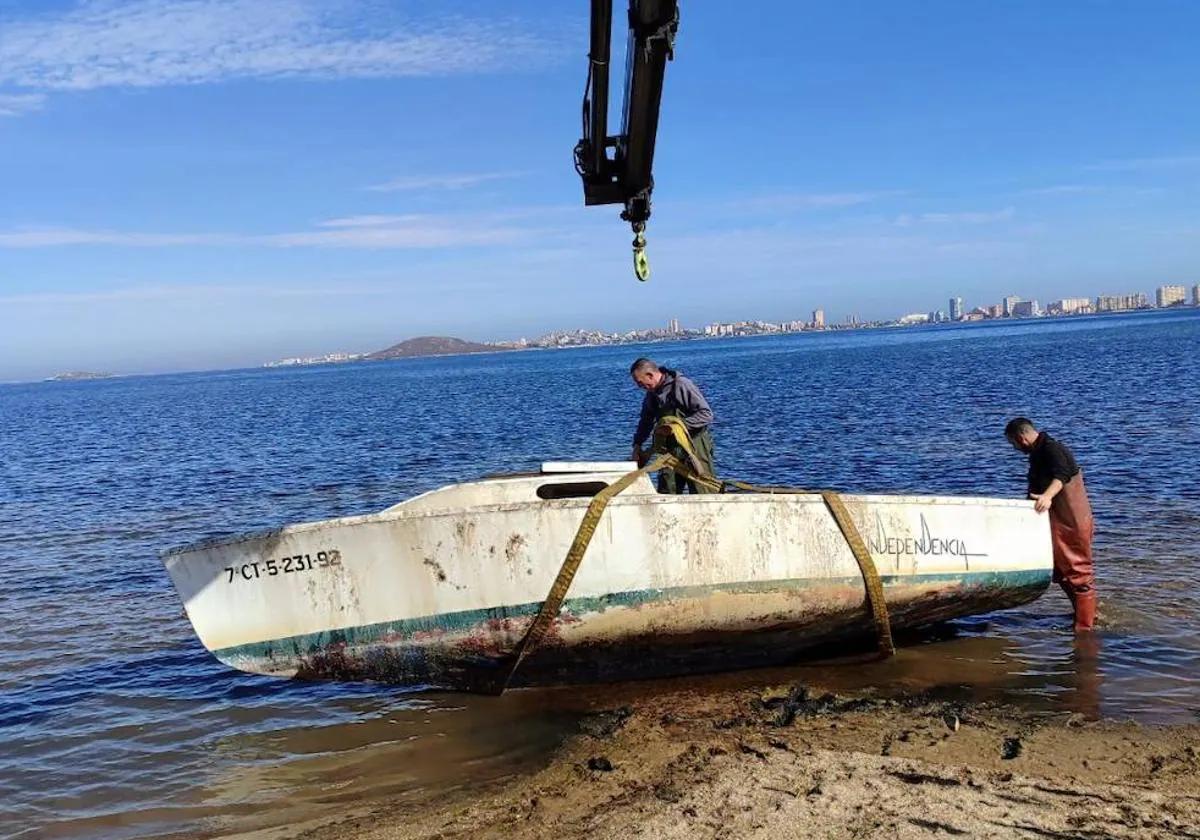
<point>1011,306</point>
<point>1020,309</point>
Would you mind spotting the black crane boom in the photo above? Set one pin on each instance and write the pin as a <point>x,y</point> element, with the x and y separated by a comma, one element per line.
<point>619,169</point>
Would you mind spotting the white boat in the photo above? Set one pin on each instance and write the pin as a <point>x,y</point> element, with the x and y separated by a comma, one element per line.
<point>439,590</point>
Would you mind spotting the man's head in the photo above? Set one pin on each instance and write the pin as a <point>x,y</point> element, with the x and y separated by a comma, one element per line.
<point>1021,433</point>
<point>646,374</point>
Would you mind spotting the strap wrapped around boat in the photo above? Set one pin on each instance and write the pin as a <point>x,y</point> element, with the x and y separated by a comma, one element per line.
<point>671,430</point>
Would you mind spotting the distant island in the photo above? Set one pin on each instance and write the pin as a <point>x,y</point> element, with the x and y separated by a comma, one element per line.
<point>433,345</point>
<point>425,345</point>
<point>74,375</point>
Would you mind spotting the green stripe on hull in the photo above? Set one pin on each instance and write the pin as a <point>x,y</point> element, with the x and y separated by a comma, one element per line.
<point>462,623</point>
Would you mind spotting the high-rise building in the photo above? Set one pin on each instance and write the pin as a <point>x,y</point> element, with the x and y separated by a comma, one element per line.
<point>818,318</point>
<point>1121,303</point>
<point>1008,304</point>
<point>1069,305</point>
<point>1169,296</point>
<point>1196,295</point>
<point>1025,309</point>
<point>956,308</point>
<point>673,325</point>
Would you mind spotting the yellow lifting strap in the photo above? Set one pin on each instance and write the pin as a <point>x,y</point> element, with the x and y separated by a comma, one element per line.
<point>833,501</point>
<point>673,430</point>
<point>866,565</point>
<point>566,573</point>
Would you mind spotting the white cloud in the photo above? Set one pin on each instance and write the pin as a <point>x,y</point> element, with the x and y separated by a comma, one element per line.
<point>369,221</point>
<point>366,232</point>
<point>871,257</point>
<point>441,182</point>
<point>777,202</point>
<point>1142,164</point>
<point>404,231</point>
<point>1187,232</point>
<point>514,226</point>
<point>188,292</point>
<point>410,234</point>
<point>15,104</point>
<point>46,237</point>
<point>147,43</point>
<point>824,200</point>
<point>911,219</point>
<point>1067,189</point>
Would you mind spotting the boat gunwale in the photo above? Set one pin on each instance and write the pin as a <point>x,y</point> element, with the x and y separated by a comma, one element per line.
<point>399,513</point>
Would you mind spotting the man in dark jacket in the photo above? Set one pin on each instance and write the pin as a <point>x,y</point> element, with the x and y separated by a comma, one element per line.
<point>669,392</point>
<point>1055,483</point>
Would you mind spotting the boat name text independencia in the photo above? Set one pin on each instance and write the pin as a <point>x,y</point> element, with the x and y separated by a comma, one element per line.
<point>926,544</point>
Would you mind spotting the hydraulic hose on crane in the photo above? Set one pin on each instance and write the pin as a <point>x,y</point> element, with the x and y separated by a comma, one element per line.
<point>626,175</point>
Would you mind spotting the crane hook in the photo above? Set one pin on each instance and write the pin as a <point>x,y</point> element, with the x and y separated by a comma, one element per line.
<point>641,263</point>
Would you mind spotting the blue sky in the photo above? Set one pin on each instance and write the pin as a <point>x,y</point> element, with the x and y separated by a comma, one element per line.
<point>190,184</point>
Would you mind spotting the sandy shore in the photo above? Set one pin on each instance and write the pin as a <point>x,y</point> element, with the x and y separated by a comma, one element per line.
<point>792,761</point>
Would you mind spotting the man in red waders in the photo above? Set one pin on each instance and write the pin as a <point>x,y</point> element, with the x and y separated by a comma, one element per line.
<point>1056,485</point>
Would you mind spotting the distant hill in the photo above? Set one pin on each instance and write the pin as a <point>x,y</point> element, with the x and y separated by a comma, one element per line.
<point>433,345</point>
<point>73,375</point>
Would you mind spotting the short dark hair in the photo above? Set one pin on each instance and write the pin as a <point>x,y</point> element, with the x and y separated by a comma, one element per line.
<point>1018,425</point>
<point>641,365</point>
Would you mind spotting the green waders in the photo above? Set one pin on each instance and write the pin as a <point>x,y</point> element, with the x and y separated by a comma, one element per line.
<point>671,482</point>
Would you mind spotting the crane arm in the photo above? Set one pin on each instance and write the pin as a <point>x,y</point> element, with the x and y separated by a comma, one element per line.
<point>626,175</point>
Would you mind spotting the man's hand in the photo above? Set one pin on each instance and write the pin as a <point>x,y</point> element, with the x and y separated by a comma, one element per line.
<point>1041,502</point>
<point>638,456</point>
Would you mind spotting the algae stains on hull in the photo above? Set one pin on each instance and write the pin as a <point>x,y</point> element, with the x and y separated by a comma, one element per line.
<point>631,636</point>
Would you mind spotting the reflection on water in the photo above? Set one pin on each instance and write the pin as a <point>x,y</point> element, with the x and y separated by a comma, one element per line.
<point>116,723</point>
<point>1085,700</point>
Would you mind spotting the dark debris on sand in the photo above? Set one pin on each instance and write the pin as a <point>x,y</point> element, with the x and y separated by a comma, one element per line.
<point>781,711</point>
<point>604,724</point>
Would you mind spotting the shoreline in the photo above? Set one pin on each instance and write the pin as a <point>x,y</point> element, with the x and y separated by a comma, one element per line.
<point>792,760</point>
<point>828,330</point>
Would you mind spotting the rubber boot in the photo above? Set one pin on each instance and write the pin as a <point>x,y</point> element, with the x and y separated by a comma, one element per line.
<point>1070,593</point>
<point>1085,610</point>
<point>1071,596</point>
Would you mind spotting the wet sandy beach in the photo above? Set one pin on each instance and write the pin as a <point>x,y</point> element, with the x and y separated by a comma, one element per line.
<point>793,760</point>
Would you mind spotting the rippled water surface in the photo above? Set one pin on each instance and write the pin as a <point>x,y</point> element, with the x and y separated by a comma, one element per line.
<point>115,721</point>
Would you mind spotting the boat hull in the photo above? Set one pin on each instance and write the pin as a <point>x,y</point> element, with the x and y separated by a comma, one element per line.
<point>632,635</point>
<point>438,592</point>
